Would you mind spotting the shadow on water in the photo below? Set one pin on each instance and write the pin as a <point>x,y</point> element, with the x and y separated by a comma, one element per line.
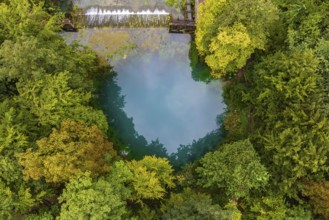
<point>188,153</point>
<point>153,84</point>
<point>135,146</point>
<point>122,129</point>
<point>200,70</point>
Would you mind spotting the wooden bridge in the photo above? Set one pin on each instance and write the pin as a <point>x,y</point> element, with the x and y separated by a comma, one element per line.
<point>188,24</point>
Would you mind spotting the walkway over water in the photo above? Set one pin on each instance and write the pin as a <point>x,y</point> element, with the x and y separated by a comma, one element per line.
<point>188,24</point>
<point>113,16</point>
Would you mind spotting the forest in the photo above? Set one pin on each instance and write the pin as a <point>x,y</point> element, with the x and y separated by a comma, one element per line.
<point>60,158</point>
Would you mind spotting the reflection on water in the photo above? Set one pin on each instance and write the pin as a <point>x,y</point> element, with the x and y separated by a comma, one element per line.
<point>126,137</point>
<point>119,43</point>
<point>123,132</point>
<point>153,103</point>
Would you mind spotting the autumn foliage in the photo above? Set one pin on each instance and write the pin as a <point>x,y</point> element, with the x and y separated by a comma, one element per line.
<point>66,153</point>
<point>318,193</point>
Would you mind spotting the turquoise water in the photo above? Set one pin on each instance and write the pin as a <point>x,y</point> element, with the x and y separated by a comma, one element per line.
<point>163,99</point>
<point>155,99</point>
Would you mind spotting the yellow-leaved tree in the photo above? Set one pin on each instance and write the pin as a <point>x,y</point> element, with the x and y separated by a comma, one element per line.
<point>230,31</point>
<point>151,177</point>
<point>68,152</point>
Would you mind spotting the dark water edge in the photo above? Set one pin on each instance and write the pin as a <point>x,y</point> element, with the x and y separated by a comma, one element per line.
<point>151,61</point>
<point>133,145</point>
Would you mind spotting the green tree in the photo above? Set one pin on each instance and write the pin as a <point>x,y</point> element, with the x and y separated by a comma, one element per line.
<point>274,206</point>
<point>269,207</point>
<point>84,198</point>
<point>67,153</point>
<point>176,3</point>
<point>151,177</point>
<point>305,22</point>
<point>236,125</point>
<point>290,116</point>
<point>235,167</point>
<point>190,205</point>
<point>12,202</point>
<point>12,141</point>
<point>106,197</point>
<point>301,212</point>
<point>33,57</point>
<point>322,52</point>
<point>25,58</point>
<point>229,32</point>
<point>52,100</point>
<point>26,18</point>
<point>42,216</point>
<point>230,211</point>
<point>16,133</point>
<point>44,82</point>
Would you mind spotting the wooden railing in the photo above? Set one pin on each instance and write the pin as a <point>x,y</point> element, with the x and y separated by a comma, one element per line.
<point>188,24</point>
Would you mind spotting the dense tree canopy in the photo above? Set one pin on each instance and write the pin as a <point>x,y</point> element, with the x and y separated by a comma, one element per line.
<point>52,100</point>
<point>84,198</point>
<point>278,97</point>
<point>151,177</point>
<point>299,143</point>
<point>230,31</point>
<point>58,153</point>
<point>236,167</point>
<point>318,195</point>
<point>189,205</point>
<point>66,153</point>
<point>12,203</point>
<point>20,18</point>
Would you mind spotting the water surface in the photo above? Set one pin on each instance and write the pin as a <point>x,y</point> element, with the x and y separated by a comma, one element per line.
<point>163,99</point>
<point>158,103</point>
